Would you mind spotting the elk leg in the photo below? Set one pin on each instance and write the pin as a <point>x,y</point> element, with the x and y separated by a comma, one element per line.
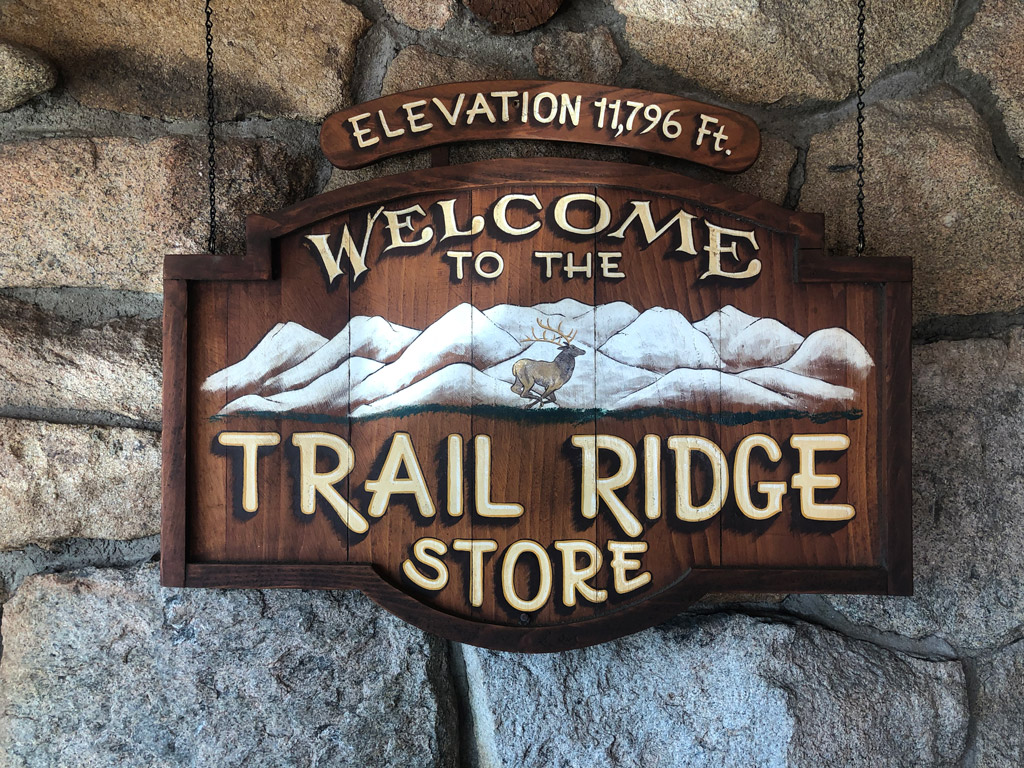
<point>525,384</point>
<point>536,399</point>
<point>547,396</point>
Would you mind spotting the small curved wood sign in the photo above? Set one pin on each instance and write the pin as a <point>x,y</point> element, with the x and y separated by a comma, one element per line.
<point>537,404</point>
<point>542,110</point>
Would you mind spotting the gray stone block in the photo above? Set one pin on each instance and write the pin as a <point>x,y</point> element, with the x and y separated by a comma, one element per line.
<point>724,690</point>
<point>104,668</point>
<point>1000,702</point>
<point>59,481</point>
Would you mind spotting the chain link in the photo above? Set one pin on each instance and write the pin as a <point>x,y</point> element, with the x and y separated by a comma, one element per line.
<point>861,4</point>
<point>211,117</point>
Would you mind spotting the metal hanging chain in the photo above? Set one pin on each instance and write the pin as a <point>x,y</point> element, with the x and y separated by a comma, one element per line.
<point>860,125</point>
<point>211,168</point>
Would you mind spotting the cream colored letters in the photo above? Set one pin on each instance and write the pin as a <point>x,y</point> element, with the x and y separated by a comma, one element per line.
<point>400,454</point>
<point>250,443</point>
<point>807,480</point>
<point>312,482</point>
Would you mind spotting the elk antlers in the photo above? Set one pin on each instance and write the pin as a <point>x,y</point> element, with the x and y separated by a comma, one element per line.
<point>566,339</point>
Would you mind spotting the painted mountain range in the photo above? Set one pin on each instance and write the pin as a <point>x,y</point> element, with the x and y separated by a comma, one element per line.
<point>626,362</point>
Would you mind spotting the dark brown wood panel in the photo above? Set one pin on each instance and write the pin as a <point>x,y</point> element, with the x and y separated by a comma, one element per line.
<point>174,479</point>
<point>790,539</point>
<point>411,289</point>
<point>895,445</point>
<point>533,461</point>
<point>658,283</point>
<point>716,323</point>
<point>549,170</point>
<point>208,502</point>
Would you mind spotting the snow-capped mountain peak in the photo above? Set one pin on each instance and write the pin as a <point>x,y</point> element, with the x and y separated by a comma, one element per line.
<point>727,362</point>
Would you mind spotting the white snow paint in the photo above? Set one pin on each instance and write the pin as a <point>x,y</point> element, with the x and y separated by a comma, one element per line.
<point>286,345</point>
<point>727,362</point>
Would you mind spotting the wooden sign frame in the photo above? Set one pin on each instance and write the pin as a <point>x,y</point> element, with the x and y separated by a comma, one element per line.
<point>888,280</point>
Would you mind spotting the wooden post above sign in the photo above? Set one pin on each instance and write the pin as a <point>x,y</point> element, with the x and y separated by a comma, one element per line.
<point>537,404</point>
<point>546,110</point>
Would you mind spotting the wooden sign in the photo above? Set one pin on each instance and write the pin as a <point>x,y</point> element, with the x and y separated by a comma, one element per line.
<point>537,404</point>
<point>541,109</point>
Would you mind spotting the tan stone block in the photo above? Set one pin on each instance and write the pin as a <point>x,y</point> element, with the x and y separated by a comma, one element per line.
<point>23,74</point>
<point>589,57</point>
<point>935,192</point>
<point>59,481</point>
<point>992,47</point>
<point>415,67</point>
<point>274,58</point>
<point>47,361</point>
<point>768,177</point>
<point>421,14</point>
<point>763,52</point>
<point>103,212</point>
<point>389,166</point>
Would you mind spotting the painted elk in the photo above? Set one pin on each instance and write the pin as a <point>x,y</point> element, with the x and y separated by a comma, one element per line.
<point>546,376</point>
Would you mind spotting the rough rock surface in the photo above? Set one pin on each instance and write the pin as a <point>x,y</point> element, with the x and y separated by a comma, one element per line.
<point>59,481</point>
<point>936,192</point>
<point>757,51</point>
<point>721,690</point>
<point>389,166</point>
<point>104,211</point>
<point>106,668</point>
<point>416,67</point>
<point>768,177</point>
<point>23,74</point>
<point>420,14</point>
<point>47,361</point>
<point>273,58</point>
<point>1000,701</point>
<point>72,554</point>
<point>991,47</point>
<point>588,57</point>
<point>968,499</point>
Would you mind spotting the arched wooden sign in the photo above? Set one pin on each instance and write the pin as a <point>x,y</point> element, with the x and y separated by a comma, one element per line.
<point>546,110</point>
<point>537,404</point>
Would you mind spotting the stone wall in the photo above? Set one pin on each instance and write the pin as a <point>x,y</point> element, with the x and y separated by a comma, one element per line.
<point>101,173</point>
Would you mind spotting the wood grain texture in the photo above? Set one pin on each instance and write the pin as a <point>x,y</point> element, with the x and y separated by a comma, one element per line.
<point>814,267</point>
<point>340,136</point>
<point>174,478</point>
<point>213,321</point>
<point>898,447</point>
<point>210,266</point>
<point>545,171</point>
